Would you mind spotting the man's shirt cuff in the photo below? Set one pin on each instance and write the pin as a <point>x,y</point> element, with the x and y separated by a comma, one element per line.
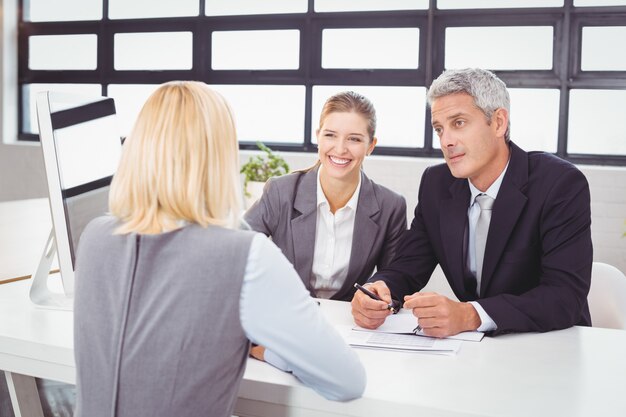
<point>486,323</point>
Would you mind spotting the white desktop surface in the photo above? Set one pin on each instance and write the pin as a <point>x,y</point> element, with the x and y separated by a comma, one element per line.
<point>574,372</point>
<point>35,341</point>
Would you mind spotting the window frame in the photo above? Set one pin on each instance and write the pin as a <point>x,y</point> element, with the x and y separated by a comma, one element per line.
<point>565,74</point>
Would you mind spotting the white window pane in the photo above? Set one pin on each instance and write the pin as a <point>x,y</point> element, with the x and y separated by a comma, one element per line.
<point>63,52</point>
<point>496,4</point>
<point>367,5</point>
<point>255,49</point>
<point>389,48</point>
<point>594,3</point>
<point>400,112</point>
<point>499,48</point>
<point>153,51</point>
<point>269,113</point>
<point>29,92</point>
<point>590,129</point>
<point>596,56</point>
<point>130,9</point>
<point>129,99</point>
<point>63,10</point>
<point>245,7</point>
<point>535,118</point>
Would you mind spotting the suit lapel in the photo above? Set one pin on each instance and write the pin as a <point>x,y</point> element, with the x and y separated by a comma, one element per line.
<point>452,223</point>
<point>303,225</point>
<point>364,233</point>
<point>507,208</point>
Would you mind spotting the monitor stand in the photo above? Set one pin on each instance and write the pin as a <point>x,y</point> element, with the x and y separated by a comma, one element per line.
<point>40,294</point>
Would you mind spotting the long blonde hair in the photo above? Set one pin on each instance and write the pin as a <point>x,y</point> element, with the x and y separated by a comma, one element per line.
<point>180,163</point>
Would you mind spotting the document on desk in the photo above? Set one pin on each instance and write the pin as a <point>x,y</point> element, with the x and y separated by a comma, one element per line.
<point>397,333</point>
<point>403,342</point>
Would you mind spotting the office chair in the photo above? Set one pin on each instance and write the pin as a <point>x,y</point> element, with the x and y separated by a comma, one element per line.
<point>607,297</point>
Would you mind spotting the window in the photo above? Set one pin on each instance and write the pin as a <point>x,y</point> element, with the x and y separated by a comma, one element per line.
<point>131,9</point>
<point>595,54</point>
<point>255,49</point>
<point>253,7</point>
<point>269,113</point>
<point>580,3</point>
<point>62,52</point>
<point>518,47</point>
<point>62,10</point>
<point>492,4</point>
<point>152,51</point>
<point>370,48</point>
<point>592,124</point>
<point>535,118</point>
<point>368,5</point>
<point>277,61</point>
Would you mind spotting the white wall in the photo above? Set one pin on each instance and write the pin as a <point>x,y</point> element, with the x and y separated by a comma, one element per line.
<point>21,172</point>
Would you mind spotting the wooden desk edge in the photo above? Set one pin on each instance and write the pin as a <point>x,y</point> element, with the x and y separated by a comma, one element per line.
<point>8,280</point>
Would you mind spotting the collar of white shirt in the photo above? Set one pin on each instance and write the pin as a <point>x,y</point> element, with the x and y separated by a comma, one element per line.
<point>492,191</point>
<point>321,198</point>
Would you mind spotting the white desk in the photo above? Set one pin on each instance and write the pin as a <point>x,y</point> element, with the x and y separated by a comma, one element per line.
<point>574,372</point>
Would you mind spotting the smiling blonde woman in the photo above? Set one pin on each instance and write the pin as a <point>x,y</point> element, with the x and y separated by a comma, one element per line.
<point>331,221</point>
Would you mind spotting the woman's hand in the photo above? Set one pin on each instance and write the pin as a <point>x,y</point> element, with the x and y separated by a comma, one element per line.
<point>257,352</point>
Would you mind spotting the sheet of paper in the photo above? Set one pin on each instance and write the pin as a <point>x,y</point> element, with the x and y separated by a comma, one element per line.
<point>404,322</point>
<point>403,342</point>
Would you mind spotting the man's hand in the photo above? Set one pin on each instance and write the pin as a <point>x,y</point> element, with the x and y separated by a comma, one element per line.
<point>370,313</point>
<point>438,316</point>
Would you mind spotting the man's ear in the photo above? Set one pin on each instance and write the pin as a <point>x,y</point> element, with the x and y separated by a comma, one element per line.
<point>501,119</point>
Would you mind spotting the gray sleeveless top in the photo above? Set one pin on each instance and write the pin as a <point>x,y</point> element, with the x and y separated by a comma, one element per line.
<point>157,330</point>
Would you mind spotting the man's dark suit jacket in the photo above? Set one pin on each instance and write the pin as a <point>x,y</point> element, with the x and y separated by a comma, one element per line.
<point>538,256</point>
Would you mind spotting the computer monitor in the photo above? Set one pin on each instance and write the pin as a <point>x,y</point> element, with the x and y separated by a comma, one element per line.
<point>81,148</point>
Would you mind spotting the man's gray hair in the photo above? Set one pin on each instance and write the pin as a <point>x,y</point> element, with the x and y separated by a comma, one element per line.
<point>488,91</point>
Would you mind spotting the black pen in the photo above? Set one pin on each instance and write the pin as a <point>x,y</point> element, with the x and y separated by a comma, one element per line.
<point>374,296</point>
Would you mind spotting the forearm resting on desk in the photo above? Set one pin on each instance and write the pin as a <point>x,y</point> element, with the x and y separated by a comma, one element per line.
<point>316,353</point>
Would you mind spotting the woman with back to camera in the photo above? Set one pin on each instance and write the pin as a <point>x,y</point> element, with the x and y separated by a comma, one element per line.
<point>331,221</point>
<point>169,292</point>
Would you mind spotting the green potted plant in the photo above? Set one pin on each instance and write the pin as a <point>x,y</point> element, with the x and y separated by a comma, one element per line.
<point>259,169</point>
